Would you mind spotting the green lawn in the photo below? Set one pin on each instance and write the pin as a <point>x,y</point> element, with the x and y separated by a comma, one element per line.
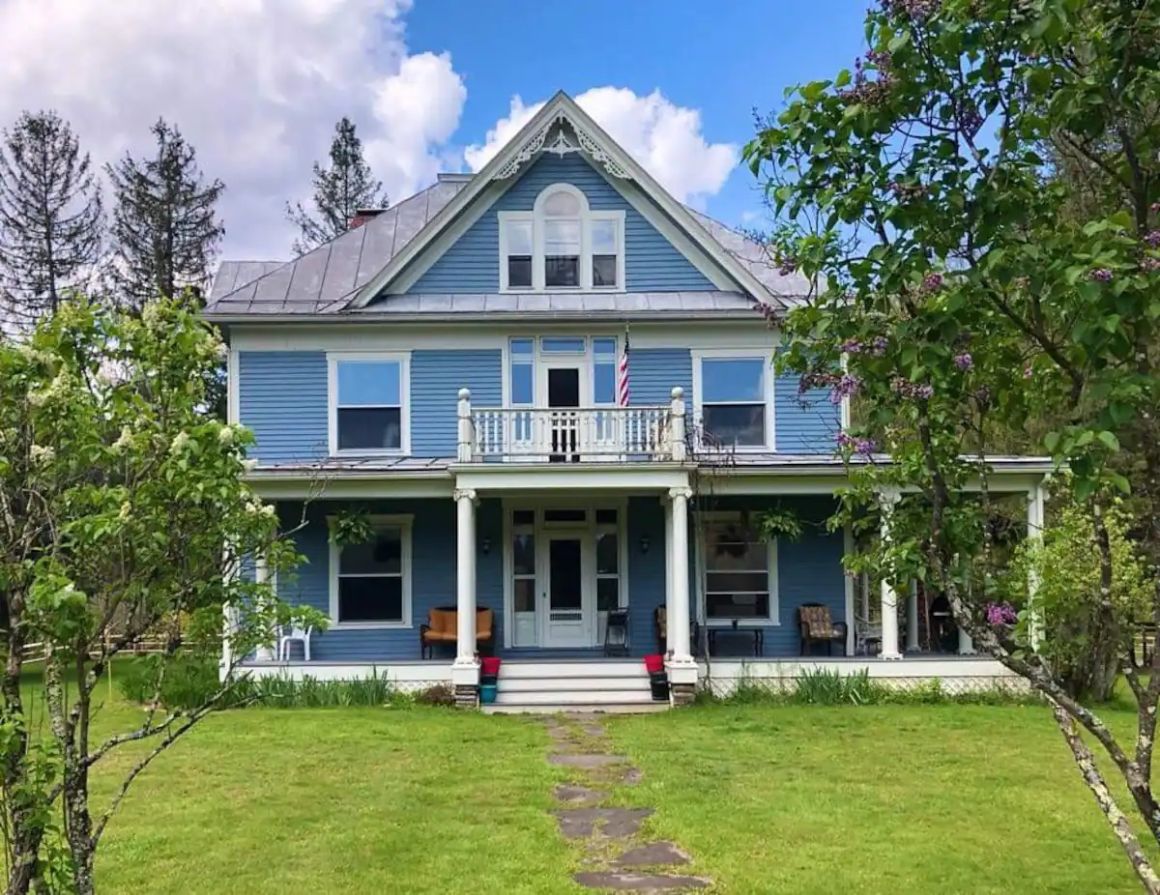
<point>891,799</point>
<point>894,799</point>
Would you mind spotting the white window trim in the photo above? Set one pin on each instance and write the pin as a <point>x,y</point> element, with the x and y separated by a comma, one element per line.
<point>768,383</point>
<point>404,524</point>
<point>774,618</point>
<point>587,218</point>
<point>585,361</point>
<point>403,358</point>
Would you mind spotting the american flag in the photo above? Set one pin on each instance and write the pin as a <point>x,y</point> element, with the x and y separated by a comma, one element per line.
<point>622,392</point>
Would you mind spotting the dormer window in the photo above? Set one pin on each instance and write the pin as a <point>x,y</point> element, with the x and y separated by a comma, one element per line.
<point>561,245</point>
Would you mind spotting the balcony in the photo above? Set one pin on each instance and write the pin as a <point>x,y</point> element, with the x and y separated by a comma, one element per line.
<point>572,434</point>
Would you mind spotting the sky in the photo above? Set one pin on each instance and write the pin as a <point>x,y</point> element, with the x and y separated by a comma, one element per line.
<point>433,85</point>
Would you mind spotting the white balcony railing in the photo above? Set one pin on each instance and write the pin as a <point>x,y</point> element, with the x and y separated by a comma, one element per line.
<point>572,434</point>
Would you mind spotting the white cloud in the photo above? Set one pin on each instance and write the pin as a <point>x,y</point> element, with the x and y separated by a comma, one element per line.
<point>663,137</point>
<point>255,85</point>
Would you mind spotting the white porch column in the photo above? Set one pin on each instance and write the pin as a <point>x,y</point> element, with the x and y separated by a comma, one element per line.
<point>465,669</point>
<point>670,613</point>
<point>681,646</point>
<point>682,667</point>
<point>265,652</point>
<point>1035,522</point>
<point>912,619</point>
<point>889,598</point>
<point>466,436</point>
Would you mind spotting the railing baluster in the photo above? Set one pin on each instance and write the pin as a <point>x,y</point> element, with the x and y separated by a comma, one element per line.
<point>609,433</point>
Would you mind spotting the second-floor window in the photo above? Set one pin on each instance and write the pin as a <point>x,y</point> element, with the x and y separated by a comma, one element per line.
<point>733,391</point>
<point>561,244</point>
<point>368,411</point>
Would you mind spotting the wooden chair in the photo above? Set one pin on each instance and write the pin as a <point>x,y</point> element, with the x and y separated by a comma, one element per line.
<point>817,626</point>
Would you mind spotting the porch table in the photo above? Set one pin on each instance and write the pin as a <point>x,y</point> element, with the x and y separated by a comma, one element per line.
<point>757,633</point>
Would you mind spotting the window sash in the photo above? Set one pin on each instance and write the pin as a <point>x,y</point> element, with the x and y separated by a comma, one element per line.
<point>718,574</point>
<point>365,596</point>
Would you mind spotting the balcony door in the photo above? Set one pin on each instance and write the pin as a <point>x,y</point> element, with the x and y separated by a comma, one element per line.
<point>562,385</point>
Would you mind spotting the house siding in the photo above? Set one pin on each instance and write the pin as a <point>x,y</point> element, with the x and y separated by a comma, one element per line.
<point>471,264</point>
<point>654,372</point>
<point>804,423</point>
<point>809,570</point>
<point>436,378</point>
<point>432,576</point>
<point>282,399</point>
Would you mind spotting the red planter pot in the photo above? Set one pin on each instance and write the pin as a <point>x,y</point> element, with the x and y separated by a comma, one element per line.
<point>489,665</point>
<point>654,662</point>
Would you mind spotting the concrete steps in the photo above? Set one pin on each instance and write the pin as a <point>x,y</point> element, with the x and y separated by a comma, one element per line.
<point>574,686</point>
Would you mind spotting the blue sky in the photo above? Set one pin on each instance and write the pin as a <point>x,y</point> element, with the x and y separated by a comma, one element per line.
<point>257,87</point>
<point>723,59</point>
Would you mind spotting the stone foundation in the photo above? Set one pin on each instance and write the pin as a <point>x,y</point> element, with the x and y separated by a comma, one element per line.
<point>466,696</point>
<point>682,694</point>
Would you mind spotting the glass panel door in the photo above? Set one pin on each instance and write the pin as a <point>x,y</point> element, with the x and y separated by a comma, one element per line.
<point>566,623</point>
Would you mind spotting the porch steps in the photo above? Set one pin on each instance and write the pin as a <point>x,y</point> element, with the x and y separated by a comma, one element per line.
<point>574,686</point>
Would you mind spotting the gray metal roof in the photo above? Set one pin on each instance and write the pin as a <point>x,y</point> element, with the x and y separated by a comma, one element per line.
<point>323,281</point>
<point>755,257</point>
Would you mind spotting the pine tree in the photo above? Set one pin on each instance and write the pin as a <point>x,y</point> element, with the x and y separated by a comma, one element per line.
<point>339,191</point>
<point>165,226</point>
<point>50,216</point>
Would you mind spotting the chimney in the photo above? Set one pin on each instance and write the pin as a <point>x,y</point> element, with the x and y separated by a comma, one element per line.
<point>362,215</point>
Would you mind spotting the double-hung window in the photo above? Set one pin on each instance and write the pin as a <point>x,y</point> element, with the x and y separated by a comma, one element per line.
<point>561,244</point>
<point>371,582</point>
<point>733,394</point>
<point>740,573</point>
<point>368,405</point>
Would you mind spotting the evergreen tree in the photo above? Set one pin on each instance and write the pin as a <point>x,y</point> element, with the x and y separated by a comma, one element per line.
<point>50,216</point>
<point>165,226</point>
<point>339,191</point>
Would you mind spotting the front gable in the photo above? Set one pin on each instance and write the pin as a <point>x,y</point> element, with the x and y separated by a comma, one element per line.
<point>471,264</point>
<point>671,251</point>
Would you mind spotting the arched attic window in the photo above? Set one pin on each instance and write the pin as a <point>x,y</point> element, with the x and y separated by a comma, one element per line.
<point>561,245</point>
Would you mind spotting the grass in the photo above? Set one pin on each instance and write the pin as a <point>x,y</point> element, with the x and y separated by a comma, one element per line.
<point>897,798</point>
<point>341,800</point>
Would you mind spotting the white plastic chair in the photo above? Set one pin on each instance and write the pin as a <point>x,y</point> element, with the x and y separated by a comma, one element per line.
<point>302,635</point>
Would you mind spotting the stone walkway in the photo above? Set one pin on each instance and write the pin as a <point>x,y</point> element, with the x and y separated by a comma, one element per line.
<point>615,856</point>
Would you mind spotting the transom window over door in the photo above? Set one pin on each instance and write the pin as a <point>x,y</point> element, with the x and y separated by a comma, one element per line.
<point>368,404</point>
<point>733,395</point>
<point>561,244</point>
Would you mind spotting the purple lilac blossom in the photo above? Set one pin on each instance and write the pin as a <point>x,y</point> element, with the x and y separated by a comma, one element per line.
<point>1001,614</point>
<point>1101,275</point>
<point>964,361</point>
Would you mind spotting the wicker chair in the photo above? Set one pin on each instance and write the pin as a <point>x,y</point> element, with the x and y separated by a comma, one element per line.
<point>818,627</point>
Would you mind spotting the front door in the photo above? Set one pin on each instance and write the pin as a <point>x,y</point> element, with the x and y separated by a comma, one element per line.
<point>566,621</point>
